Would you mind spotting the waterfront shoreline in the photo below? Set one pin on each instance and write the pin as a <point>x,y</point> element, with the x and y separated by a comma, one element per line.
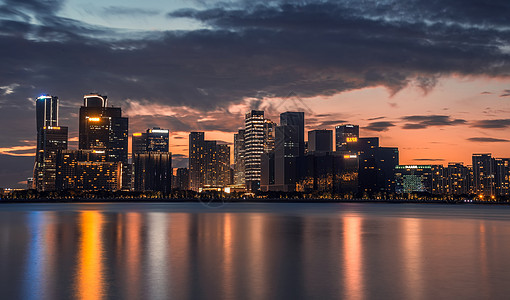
<point>250,200</point>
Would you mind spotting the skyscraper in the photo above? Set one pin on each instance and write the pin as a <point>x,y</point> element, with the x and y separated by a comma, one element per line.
<point>103,128</point>
<point>153,171</point>
<point>138,142</point>
<point>209,162</point>
<point>157,139</point>
<point>289,151</point>
<point>51,139</point>
<point>254,147</point>
<point>239,157</point>
<point>320,141</point>
<point>46,107</point>
<point>196,156</point>
<point>152,161</point>
<point>346,137</point>
<point>483,174</point>
<point>457,182</point>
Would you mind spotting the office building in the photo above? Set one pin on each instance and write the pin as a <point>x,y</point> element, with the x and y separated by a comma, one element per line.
<point>153,171</point>
<point>181,179</point>
<point>103,128</point>
<point>209,162</point>
<point>457,179</point>
<point>320,141</point>
<point>286,163</point>
<point>138,142</point>
<point>196,160</point>
<point>413,178</point>
<point>88,170</point>
<point>51,138</point>
<point>157,140</point>
<point>330,172</point>
<point>346,137</point>
<point>483,174</point>
<point>254,147</point>
<point>502,176</point>
<point>239,157</point>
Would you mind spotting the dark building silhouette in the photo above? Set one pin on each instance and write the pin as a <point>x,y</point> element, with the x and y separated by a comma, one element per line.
<point>153,171</point>
<point>152,161</point>
<point>331,172</point>
<point>182,179</point>
<point>320,141</point>
<point>376,166</point>
<point>138,142</point>
<point>287,162</point>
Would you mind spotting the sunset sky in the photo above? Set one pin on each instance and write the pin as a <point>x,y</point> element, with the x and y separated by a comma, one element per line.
<point>429,77</point>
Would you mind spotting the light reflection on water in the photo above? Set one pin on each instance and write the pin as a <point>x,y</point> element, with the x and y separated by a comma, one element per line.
<point>270,251</point>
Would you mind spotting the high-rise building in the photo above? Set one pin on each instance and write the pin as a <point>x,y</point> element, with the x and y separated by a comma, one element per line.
<point>87,170</point>
<point>103,128</point>
<point>413,178</point>
<point>289,151</point>
<point>138,142</point>
<point>157,140</point>
<point>502,176</point>
<point>152,161</point>
<point>346,137</point>
<point>239,157</point>
<point>320,141</point>
<point>483,174</point>
<point>46,107</point>
<point>269,135</point>
<point>376,166</point>
<point>153,171</point>
<point>209,162</point>
<point>332,172</point>
<point>196,160</point>
<point>254,147</point>
<point>439,180</point>
<point>51,138</point>
<point>182,179</point>
<point>457,179</point>
<point>217,164</point>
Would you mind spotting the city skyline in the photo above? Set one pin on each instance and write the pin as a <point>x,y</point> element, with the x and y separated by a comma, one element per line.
<point>435,85</point>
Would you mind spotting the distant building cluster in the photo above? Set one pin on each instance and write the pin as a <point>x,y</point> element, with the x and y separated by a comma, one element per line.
<point>267,157</point>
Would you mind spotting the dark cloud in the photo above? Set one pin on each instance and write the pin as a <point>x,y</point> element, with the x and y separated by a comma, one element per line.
<point>376,118</point>
<point>492,124</point>
<point>429,159</point>
<point>379,126</point>
<point>487,140</point>
<point>128,11</point>
<point>486,93</point>
<point>419,122</point>
<point>332,123</point>
<point>505,93</point>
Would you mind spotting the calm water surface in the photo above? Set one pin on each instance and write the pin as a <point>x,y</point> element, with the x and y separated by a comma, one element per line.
<point>254,251</point>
